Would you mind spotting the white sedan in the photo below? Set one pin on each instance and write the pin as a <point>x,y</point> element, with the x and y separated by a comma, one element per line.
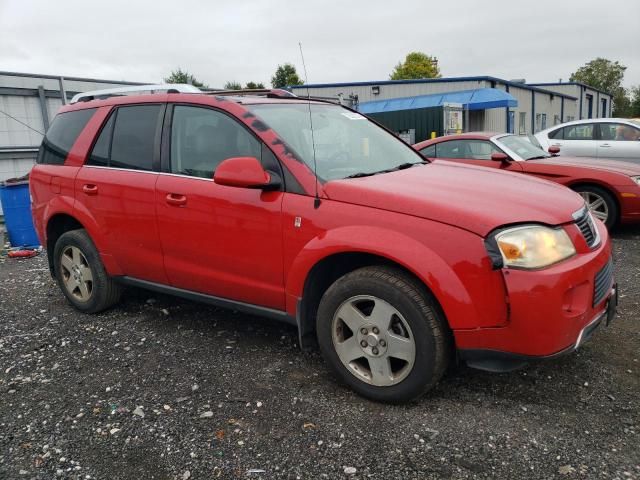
<point>615,138</point>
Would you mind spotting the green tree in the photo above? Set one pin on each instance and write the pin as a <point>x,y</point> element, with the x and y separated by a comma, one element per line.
<point>285,75</point>
<point>232,86</point>
<point>416,65</point>
<point>254,85</point>
<point>634,94</point>
<point>180,76</point>
<point>605,75</point>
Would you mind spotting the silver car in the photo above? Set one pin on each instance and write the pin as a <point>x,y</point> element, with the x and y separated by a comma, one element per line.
<point>616,138</point>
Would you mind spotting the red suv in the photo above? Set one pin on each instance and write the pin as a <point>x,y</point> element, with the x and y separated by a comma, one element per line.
<point>308,212</point>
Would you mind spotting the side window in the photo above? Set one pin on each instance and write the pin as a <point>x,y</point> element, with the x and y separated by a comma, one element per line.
<point>608,131</point>
<point>451,149</point>
<point>100,153</point>
<point>480,150</point>
<point>201,138</point>
<point>62,134</point>
<point>429,152</point>
<point>583,131</point>
<point>619,132</point>
<point>134,136</point>
<point>557,134</point>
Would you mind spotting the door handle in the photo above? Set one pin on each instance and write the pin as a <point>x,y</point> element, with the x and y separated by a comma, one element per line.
<point>176,199</point>
<point>90,189</point>
<point>605,145</point>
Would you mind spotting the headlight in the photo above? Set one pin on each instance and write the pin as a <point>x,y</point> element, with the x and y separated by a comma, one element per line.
<point>534,246</point>
<point>636,179</point>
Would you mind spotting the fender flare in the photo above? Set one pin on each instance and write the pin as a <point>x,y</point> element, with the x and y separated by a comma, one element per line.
<point>65,205</point>
<point>407,252</point>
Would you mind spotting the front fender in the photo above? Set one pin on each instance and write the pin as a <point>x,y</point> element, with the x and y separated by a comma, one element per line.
<point>396,247</point>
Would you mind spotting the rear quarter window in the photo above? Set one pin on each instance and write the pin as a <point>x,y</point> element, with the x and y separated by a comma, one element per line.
<point>61,136</point>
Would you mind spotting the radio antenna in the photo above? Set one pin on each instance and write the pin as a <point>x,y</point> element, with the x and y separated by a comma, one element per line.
<point>316,201</point>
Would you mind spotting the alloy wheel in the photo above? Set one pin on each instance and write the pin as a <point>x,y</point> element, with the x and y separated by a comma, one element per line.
<point>76,273</point>
<point>596,204</point>
<point>373,340</point>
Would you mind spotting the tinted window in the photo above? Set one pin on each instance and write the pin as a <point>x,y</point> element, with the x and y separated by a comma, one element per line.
<point>62,135</point>
<point>202,138</point>
<point>451,149</point>
<point>557,134</point>
<point>578,132</point>
<point>100,153</point>
<point>471,149</point>
<point>430,151</point>
<point>134,135</point>
<point>618,132</point>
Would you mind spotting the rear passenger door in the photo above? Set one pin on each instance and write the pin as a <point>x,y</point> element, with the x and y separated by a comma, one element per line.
<point>116,186</point>
<point>218,240</point>
<point>618,140</point>
<point>575,140</point>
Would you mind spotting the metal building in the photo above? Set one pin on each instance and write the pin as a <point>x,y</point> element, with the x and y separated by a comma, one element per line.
<point>526,109</point>
<point>28,103</point>
<point>592,103</point>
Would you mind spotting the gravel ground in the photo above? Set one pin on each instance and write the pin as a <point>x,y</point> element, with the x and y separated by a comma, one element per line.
<point>161,388</point>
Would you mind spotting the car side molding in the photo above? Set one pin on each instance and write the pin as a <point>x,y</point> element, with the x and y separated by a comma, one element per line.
<point>249,308</point>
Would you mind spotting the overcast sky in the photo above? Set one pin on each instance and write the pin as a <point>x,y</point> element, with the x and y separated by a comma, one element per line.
<point>137,40</point>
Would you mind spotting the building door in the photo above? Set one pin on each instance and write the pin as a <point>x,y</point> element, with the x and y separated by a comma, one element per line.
<point>589,106</point>
<point>604,108</point>
<point>511,121</point>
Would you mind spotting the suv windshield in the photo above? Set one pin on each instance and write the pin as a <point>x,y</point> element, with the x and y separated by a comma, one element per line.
<point>522,147</point>
<point>346,143</point>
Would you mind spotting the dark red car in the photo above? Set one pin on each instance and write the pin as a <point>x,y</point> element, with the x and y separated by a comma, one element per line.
<point>396,265</point>
<point>611,188</point>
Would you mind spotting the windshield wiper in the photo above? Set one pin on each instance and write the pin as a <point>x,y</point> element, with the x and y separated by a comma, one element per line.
<point>402,166</point>
<point>361,174</point>
<point>539,157</point>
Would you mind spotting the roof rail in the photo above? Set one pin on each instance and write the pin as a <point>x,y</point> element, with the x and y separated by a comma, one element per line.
<point>261,92</point>
<point>113,92</point>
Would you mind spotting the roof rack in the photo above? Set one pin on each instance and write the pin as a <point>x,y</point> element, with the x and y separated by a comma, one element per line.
<point>120,91</point>
<point>259,92</point>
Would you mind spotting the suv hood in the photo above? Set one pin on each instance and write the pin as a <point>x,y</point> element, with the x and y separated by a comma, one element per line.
<point>477,199</point>
<point>609,164</point>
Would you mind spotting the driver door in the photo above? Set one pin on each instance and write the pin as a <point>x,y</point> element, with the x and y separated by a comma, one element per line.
<point>218,240</point>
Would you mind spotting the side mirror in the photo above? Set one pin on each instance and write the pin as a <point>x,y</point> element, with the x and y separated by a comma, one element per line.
<point>245,172</point>
<point>499,157</point>
<point>554,150</point>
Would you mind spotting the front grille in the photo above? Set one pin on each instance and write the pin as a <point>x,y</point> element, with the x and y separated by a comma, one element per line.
<point>602,283</point>
<point>588,228</point>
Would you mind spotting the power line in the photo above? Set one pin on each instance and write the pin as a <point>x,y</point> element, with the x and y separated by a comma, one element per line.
<point>21,122</point>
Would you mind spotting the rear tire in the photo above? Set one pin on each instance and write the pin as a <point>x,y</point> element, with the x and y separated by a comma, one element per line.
<point>81,275</point>
<point>383,334</point>
<point>601,203</point>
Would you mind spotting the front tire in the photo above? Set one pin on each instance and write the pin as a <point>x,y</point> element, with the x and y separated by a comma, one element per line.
<point>81,275</point>
<point>382,334</point>
<point>601,203</point>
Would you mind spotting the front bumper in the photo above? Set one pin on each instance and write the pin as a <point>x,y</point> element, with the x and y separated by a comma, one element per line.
<point>497,361</point>
<point>552,310</point>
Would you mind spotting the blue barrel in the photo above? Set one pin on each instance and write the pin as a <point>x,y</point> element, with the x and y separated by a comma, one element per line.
<point>16,206</point>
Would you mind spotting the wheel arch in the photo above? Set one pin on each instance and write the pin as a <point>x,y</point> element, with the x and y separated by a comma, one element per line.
<point>61,222</point>
<point>574,185</point>
<point>310,277</point>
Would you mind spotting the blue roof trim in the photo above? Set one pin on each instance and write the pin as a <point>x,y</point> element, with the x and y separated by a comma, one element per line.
<point>479,99</point>
<point>554,84</point>
<point>434,80</point>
